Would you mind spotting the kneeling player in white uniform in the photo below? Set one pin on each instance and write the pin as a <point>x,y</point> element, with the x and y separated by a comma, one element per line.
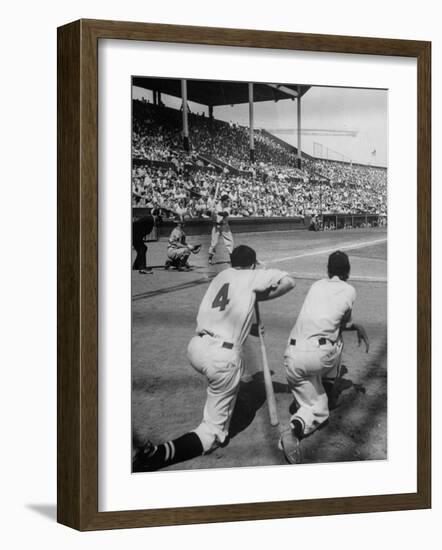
<point>315,344</point>
<point>223,324</point>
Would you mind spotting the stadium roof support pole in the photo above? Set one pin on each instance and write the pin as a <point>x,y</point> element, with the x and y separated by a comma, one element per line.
<point>251,123</point>
<point>185,114</point>
<point>298,104</point>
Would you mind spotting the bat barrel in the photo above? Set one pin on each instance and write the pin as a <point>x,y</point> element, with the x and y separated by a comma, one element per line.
<point>270,394</point>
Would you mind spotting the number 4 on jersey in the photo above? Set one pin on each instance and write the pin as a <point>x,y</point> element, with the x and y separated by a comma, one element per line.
<point>221,299</point>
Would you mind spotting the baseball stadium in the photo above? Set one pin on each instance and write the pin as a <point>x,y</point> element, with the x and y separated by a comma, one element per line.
<point>293,200</point>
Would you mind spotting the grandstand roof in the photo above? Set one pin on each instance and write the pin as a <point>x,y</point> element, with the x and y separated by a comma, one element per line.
<point>214,92</point>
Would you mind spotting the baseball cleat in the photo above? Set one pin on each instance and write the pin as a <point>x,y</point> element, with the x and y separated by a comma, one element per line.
<point>298,427</point>
<point>167,264</point>
<point>211,262</point>
<point>289,444</point>
<point>142,462</point>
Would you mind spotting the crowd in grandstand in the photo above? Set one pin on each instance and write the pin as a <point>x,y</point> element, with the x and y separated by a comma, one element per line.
<point>185,182</point>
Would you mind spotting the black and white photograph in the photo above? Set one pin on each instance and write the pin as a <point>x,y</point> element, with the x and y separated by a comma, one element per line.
<point>259,274</point>
<point>222,330</point>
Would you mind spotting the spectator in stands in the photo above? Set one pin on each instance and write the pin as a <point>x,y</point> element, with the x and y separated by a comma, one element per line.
<point>272,186</point>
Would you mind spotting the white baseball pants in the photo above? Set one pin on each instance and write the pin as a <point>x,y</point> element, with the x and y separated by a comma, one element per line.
<point>178,254</point>
<point>227,237</point>
<point>306,363</point>
<point>223,369</point>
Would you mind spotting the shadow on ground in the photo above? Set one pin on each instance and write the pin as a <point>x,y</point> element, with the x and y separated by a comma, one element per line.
<point>357,429</point>
<point>251,397</point>
<point>46,510</point>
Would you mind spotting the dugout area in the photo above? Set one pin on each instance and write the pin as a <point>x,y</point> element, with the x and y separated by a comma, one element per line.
<point>168,395</point>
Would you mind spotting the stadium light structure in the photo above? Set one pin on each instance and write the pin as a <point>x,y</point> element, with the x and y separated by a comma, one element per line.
<point>315,132</point>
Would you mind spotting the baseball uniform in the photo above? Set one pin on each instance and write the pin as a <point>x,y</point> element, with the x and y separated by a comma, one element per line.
<point>221,228</point>
<point>223,323</point>
<point>177,250</point>
<point>315,347</point>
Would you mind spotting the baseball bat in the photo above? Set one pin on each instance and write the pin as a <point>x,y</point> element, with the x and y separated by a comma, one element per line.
<point>270,394</point>
<point>216,191</point>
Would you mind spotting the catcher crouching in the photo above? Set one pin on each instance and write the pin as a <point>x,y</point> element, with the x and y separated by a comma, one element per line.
<point>178,251</point>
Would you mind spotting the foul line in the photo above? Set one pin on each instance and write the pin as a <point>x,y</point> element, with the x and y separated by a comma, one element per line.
<point>209,276</point>
<point>349,246</point>
<point>167,290</point>
<point>353,278</point>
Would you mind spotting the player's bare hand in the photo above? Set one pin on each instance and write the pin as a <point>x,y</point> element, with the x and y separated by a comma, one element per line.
<point>362,337</point>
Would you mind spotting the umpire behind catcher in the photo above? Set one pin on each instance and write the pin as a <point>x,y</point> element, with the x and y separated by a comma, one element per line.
<point>141,227</point>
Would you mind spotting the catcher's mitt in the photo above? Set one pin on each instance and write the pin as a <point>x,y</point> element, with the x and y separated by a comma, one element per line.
<point>196,248</point>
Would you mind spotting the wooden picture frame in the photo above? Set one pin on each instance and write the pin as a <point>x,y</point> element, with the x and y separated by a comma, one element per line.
<point>78,274</point>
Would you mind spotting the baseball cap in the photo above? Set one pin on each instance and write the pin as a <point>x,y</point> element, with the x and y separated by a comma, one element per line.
<point>338,264</point>
<point>243,256</point>
<point>225,198</point>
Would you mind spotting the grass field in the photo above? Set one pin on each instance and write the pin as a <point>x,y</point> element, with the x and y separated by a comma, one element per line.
<point>168,395</point>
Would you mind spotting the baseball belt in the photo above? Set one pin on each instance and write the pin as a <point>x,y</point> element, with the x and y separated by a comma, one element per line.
<point>321,341</point>
<point>227,345</point>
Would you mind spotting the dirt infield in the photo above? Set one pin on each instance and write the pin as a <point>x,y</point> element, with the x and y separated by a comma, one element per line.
<point>168,395</point>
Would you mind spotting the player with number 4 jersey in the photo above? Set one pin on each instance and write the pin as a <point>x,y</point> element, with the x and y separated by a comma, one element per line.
<point>223,324</point>
<point>228,305</point>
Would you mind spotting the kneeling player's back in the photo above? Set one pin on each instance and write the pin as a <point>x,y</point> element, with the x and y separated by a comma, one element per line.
<point>327,305</point>
<point>227,307</point>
